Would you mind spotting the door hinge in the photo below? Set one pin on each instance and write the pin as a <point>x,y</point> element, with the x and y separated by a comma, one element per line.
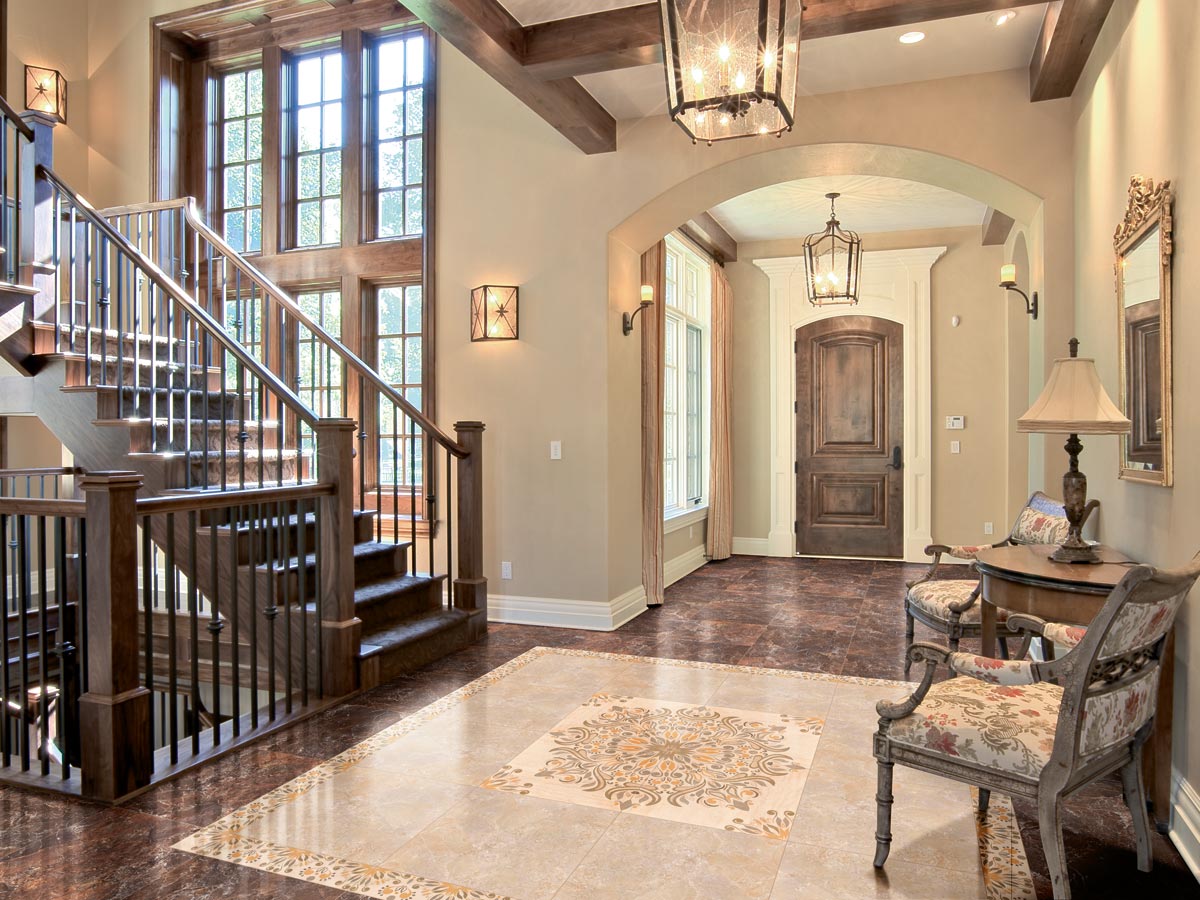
<point>795,346</point>
<point>796,527</point>
<point>795,468</point>
<point>796,406</point>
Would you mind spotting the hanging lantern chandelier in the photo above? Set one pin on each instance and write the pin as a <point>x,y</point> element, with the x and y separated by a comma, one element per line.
<point>732,66</point>
<point>832,259</point>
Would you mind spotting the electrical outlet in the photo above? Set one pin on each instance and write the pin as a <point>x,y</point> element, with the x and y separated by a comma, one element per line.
<point>987,528</point>
<point>956,447</point>
<point>506,571</point>
<point>556,449</point>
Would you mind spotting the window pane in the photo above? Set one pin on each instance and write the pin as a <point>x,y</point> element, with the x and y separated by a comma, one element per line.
<point>254,229</point>
<point>309,128</point>
<point>391,360</point>
<point>414,161</point>
<point>235,95</point>
<point>239,170</point>
<point>332,63</point>
<point>331,127</point>
<point>308,80</point>
<point>235,229</point>
<point>412,360</point>
<point>254,184</point>
<point>414,211</point>
<point>235,186</point>
<point>309,215</point>
<point>391,214</point>
<point>391,65</point>
<point>254,92</point>
<point>415,60</point>
<point>412,310</point>
<point>414,111</point>
<point>391,115</point>
<point>308,169</point>
<point>391,164</point>
<point>235,141</point>
<point>391,312</point>
<point>331,174</point>
<point>331,221</point>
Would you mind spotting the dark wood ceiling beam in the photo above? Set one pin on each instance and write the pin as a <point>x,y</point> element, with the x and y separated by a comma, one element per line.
<point>601,42</point>
<point>1068,35</point>
<point>632,36</point>
<point>486,32</point>
<point>828,18</point>
<point>707,232</point>
<point>996,226</point>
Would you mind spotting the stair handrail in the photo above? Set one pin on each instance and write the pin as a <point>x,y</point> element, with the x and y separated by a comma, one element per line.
<point>15,117</point>
<point>193,218</point>
<point>179,295</point>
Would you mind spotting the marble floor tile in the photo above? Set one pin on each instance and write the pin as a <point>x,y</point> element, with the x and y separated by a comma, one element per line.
<point>521,847</point>
<point>632,860</point>
<point>811,871</point>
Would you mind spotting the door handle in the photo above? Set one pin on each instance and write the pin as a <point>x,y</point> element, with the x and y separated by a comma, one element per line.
<point>896,462</point>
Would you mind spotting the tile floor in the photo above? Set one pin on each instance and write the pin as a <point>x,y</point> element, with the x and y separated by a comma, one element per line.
<point>696,799</point>
<point>840,617</point>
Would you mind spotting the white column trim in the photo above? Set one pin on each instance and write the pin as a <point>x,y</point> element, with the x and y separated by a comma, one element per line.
<point>909,304</point>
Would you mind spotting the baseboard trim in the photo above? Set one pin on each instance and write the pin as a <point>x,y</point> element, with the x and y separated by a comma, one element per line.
<point>683,565</point>
<point>751,547</point>
<point>581,614</point>
<point>1185,822</point>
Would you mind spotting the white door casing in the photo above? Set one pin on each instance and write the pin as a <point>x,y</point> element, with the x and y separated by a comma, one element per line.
<point>895,285</point>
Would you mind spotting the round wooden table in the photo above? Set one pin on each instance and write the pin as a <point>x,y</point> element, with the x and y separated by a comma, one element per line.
<point>1023,579</point>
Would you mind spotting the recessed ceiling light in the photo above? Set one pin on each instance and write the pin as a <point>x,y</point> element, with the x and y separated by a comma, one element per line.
<point>1002,17</point>
<point>912,37</point>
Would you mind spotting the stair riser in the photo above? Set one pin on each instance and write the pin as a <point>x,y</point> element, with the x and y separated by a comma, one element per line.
<point>362,533</point>
<point>218,435</point>
<point>412,655</point>
<point>137,404</point>
<point>110,345</point>
<point>367,568</point>
<point>127,373</point>
<point>236,475</point>
<point>402,605</point>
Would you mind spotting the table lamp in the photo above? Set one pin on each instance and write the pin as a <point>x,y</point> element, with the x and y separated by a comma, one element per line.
<point>1074,402</point>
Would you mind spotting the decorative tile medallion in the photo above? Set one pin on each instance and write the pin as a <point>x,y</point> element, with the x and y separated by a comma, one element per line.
<point>724,768</point>
<point>702,765</point>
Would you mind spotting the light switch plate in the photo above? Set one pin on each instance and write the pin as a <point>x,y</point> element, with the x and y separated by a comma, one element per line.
<point>556,449</point>
<point>955,447</point>
<point>506,571</point>
<point>956,423</point>
<point>987,528</point>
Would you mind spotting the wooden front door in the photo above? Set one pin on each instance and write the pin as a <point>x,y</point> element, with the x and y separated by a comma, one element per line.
<point>849,437</point>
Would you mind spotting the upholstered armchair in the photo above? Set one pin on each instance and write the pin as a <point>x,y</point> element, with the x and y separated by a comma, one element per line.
<point>1042,729</point>
<point>951,605</point>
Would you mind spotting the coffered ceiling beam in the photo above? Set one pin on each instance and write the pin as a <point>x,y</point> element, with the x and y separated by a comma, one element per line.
<point>495,41</point>
<point>708,233</point>
<point>1068,34</point>
<point>600,42</point>
<point>632,36</point>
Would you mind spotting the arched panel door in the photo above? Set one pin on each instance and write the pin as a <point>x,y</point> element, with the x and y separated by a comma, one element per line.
<point>849,437</point>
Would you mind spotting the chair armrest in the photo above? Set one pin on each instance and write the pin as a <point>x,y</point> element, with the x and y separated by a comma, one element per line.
<point>994,671</point>
<point>962,607</point>
<point>1067,635</point>
<point>931,655</point>
<point>1031,625</point>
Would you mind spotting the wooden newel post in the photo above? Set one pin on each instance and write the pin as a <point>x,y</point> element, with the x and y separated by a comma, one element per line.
<point>114,714</point>
<point>341,630</point>
<point>470,587</point>
<point>37,227</point>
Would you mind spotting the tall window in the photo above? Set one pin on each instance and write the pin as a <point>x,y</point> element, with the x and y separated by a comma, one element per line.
<point>241,149</point>
<point>685,379</point>
<point>399,111</point>
<point>316,135</point>
<point>400,354</point>
<point>318,370</point>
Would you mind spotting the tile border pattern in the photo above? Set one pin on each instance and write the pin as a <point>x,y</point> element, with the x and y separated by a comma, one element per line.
<point>1003,862</point>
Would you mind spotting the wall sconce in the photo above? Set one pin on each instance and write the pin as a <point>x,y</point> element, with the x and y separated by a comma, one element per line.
<point>46,92</point>
<point>1008,281</point>
<point>494,313</point>
<point>647,301</point>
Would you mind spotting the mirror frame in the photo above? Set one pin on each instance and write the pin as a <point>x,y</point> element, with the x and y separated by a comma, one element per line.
<point>1149,206</point>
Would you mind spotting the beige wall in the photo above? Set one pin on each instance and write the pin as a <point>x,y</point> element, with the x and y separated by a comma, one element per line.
<point>517,202</point>
<point>31,445</point>
<point>968,376</point>
<point>1136,114</point>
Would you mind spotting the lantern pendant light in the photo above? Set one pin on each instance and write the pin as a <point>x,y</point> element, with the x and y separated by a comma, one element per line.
<point>732,66</point>
<point>832,260</point>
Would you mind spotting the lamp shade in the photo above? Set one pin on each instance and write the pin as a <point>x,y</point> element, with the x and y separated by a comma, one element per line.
<point>494,313</point>
<point>46,92</point>
<point>1074,402</point>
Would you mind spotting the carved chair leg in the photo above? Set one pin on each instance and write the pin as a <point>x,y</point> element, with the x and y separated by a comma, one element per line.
<point>1135,799</point>
<point>985,797</point>
<point>883,821</point>
<point>909,630</point>
<point>1047,649</point>
<point>1004,648</point>
<point>952,640</point>
<point>1050,825</point>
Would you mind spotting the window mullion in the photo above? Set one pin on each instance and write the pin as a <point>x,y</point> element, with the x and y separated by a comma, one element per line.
<point>353,73</point>
<point>272,177</point>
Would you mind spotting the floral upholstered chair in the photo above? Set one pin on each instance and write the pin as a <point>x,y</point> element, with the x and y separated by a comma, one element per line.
<point>951,605</point>
<point>1042,729</point>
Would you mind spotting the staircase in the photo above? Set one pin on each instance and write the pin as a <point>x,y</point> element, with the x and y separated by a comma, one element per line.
<point>333,531</point>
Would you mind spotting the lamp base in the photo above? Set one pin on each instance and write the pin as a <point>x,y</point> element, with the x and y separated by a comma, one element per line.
<point>1085,555</point>
<point>1077,507</point>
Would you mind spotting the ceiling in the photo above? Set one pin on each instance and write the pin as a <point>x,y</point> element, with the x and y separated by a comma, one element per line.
<point>965,45</point>
<point>869,204</point>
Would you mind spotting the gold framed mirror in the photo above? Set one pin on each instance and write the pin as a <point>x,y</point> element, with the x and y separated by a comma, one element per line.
<point>1143,244</point>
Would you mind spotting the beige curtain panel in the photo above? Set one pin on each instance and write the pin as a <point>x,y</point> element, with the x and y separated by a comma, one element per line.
<point>719,544</point>
<point>653,324</point>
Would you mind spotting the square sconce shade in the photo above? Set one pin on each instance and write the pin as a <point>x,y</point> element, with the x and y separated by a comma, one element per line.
<point>46,92</point>
<point>494,313</point>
